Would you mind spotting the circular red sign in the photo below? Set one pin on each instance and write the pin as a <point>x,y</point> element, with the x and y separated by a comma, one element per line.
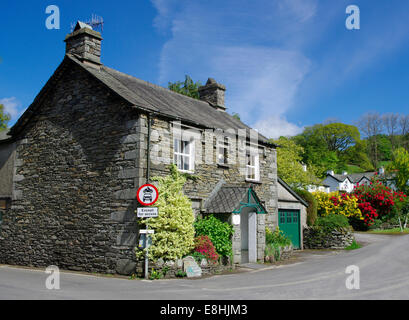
<point>147,195</point>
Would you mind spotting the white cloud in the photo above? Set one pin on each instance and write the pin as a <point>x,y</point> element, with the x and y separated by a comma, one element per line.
<point>11,106</point>
<point>261,80</point>
<point>276,126</point>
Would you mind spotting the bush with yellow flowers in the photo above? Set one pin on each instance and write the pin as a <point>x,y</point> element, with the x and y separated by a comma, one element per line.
<point>335,203</point>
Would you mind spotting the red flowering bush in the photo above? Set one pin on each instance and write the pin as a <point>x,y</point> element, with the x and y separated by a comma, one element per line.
<point>204,245</point>
<point>378,201</point>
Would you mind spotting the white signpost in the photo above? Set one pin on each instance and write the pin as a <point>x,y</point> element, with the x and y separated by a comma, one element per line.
<point>147,195</point>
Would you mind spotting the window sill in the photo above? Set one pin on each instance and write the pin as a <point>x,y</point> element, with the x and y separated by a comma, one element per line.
<point>254,181</point>
<point>186,171</point>
<point>224,166</point>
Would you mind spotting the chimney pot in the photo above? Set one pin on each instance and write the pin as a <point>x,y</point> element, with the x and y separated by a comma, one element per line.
<point>213,93</point>
<point>85,44</point>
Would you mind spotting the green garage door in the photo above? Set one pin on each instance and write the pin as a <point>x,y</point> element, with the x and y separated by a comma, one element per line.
<point>289,223</point>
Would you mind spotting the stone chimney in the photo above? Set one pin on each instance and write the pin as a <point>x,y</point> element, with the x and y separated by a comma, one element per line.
<point>213,93</point>
<point>330,172</point>
<point>85,44</point>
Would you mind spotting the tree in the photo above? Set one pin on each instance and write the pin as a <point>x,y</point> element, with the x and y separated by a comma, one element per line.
<point>372,126</point>
<point>4,118</point>
<point>289,164</point>
<point>338,136</point>
<point>174,231</point>
<point>400,166</point>
<point>357,155</point>
<point>326,146</point>
<point>391,124</point>
<point>187,88</point>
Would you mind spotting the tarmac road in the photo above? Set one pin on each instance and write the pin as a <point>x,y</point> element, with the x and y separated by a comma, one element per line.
<point>383,264</point>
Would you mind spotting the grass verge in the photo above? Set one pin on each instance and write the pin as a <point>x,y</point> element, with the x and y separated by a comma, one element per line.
<point>353,246</point>
<point>389,231</point>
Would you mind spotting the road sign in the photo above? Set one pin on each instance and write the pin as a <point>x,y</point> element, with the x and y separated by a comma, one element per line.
<point>147,194</point>
<point>151,212</point>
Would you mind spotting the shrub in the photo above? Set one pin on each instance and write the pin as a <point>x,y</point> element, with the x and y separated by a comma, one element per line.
<point>333,222</point>
<point>378,201</point>
<point>219,233</point>
<point>277,237</point>
<point>205,247</point>
<point>174,232</point>
<point>275,240</point>
<point>336,203</point>
<point>312,205</point>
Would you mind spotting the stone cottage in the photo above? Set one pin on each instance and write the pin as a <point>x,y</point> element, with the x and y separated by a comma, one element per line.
<point>71,165</point>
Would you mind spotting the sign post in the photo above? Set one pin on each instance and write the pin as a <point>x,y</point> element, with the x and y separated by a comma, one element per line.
<point>147,195</point>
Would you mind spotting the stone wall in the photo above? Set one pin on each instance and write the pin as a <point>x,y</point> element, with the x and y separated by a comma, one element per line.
<point>314,238</point>
<point>72,161</point>
<point>170,269</point>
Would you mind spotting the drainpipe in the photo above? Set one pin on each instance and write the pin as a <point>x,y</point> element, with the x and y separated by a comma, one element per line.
<point>148,159</point>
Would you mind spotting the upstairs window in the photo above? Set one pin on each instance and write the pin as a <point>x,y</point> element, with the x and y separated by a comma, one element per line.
<point>252,167</point>
<point>183,155</point>
<point>223,151</point>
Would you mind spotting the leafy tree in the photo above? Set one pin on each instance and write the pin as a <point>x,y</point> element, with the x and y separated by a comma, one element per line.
<point>187,88</point>
<point>316,153</point>
<point>4,118</point>
<point>289,164</point>
<point>338,136</point>
<point>357,155</point>
<point>385,147</point>
<point>174,232</point>
<point>400,164</point>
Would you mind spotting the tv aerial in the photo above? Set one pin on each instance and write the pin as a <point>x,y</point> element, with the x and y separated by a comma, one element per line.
<point>96,23</point>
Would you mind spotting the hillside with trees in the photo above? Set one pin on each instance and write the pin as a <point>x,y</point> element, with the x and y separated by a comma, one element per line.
<point>366,146</point>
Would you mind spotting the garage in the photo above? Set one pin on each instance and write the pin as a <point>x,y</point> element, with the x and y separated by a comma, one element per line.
<point>292,214</point>
<point>289,223</point>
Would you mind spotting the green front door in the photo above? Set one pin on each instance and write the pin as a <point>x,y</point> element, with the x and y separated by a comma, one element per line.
<point>289,223</point>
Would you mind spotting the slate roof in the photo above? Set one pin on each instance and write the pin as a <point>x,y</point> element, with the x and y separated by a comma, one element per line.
<point>154,98</point>
<point>357,177</point>
<point>353,177</point>
<point>227,199</point>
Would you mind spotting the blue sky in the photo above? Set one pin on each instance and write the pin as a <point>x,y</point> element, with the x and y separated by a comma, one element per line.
<point>286,63</point>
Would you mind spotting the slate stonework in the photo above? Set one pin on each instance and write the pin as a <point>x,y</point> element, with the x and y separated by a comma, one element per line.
<point>68,209</point>
<point>336,239</point>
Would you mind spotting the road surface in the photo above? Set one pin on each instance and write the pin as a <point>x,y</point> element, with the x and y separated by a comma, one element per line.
<point>383,263</point>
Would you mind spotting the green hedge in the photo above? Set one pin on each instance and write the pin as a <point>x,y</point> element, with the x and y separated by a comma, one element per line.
<point>333,222</point>
<point>312,205</point>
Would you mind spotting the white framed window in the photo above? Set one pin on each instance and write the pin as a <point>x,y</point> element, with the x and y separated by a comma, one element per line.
<point>223,151</point>
<point>252,166</point>
<point>184,154</point>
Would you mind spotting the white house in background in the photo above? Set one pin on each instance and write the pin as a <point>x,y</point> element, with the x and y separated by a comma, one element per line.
<point>346,182</point>
<point>314,188</point>
<point>321,188</point>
